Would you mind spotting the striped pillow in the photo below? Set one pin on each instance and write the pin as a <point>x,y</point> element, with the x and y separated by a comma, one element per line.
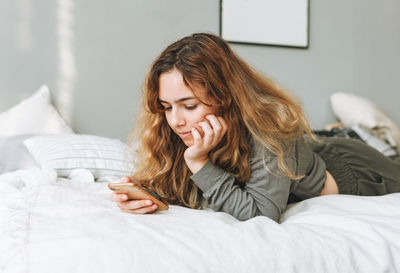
<point>66,152</point>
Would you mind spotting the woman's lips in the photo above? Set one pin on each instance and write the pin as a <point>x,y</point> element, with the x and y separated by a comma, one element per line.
<point>185,134</point>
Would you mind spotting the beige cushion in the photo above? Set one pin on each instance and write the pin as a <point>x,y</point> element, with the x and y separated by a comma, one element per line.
<point>351,110</point>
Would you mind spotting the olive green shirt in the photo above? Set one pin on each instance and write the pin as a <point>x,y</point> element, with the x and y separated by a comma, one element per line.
<point>267,190</point>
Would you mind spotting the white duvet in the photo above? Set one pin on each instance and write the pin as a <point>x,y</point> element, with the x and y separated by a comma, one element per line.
<point>50,224</point>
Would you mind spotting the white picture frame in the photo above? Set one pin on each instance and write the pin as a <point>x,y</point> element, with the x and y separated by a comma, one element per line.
<point>265,22</point>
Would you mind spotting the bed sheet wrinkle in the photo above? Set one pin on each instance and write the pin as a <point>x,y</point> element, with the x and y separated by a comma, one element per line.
<point>14,223</point>
<point>368,230</point>
<point>74,227</point>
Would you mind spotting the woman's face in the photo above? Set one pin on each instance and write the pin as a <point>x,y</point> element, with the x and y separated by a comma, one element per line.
<point>183,110</point>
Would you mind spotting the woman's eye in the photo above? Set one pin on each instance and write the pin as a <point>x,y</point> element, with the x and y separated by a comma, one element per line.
<point>191,107</point>
<point>166,108</point>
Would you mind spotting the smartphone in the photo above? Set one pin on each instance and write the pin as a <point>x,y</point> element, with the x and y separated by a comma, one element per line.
<point>136,192</point>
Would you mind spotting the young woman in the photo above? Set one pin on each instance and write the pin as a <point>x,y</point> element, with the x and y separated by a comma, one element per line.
<point>215,133</point>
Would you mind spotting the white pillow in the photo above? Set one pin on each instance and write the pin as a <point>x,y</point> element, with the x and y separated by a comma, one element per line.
<point>64,153</point>
<point>351,110</point>
<point>34,115</point>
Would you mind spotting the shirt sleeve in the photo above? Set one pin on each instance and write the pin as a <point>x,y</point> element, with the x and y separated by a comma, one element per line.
<point>265,193</point>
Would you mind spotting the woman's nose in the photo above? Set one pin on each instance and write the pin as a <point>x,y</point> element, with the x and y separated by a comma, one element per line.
<point>177,119</point>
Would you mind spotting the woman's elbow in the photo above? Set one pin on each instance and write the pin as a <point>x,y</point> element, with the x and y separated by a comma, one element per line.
<point>273,214</point>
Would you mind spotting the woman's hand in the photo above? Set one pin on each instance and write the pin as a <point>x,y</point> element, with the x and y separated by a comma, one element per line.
<point>132,206</point>
<point>214,128</point>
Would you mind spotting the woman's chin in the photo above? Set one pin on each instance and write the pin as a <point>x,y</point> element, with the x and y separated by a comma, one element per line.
<point>188,142</point>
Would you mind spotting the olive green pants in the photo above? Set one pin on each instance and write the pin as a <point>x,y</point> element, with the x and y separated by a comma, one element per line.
<point>358,168</point>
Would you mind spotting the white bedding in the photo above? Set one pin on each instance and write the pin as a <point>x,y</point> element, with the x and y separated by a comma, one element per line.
<point>50,224</point>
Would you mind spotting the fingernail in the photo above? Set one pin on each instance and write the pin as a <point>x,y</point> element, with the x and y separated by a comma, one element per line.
<point>148,202</point>
<point>124,197</point>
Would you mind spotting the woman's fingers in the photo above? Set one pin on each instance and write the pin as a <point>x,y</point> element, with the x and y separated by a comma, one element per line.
<point>224,126</point>
<point>118,197</point>
<point>129,179</point>
<point>219,126</point>
<point>208,133</point>
<point>215,123</point>
<point>213,132</point>
<point>126,179</point>
<point>134,204</point>
<point>137,206</point>
<point>214,128</point>
<point>143,210</point>
<point>196,137</point>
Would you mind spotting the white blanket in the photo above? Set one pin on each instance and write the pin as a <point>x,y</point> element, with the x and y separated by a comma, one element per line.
<point>50,224</point>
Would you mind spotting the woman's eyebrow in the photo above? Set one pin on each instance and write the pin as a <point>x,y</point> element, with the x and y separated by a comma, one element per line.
<point>179,100</point>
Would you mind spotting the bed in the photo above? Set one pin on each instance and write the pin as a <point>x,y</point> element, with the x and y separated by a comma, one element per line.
<point>56,216</point>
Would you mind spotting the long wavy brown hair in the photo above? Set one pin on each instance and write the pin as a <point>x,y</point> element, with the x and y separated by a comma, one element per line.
<point>250,103</point>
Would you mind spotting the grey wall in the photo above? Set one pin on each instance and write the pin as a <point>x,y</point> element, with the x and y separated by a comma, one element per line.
<point>93,55</point>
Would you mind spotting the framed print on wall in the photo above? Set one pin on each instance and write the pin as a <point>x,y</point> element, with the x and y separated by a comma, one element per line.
<point>265,22</point>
